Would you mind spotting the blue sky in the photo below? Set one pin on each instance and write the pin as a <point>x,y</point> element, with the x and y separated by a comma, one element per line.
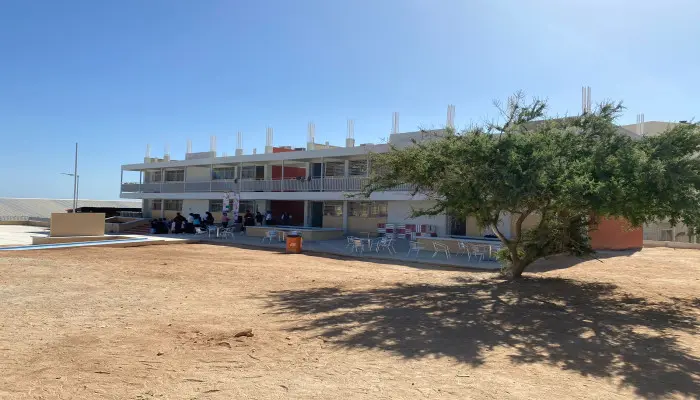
<point>118,75</point>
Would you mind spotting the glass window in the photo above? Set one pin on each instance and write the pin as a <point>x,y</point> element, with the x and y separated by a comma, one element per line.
<point>333,208</point>
<point>367,209</point>
<point>177,175</point>
<point>173,205</point>
<point>334,169</point>
<point>224,173</point>
<point>153,176</point>
<point>156,205</point>
<point>358,168</point>
<point>248,172</point>
<point>216,205</point>
<point>247,205</point>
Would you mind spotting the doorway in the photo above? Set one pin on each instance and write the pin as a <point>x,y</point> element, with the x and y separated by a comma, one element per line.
<point>317,214</point>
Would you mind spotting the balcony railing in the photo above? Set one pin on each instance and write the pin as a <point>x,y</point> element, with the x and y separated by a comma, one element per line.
<point>327,184</point>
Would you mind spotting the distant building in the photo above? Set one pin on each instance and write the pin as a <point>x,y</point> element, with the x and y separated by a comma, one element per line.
<point>43,208</point>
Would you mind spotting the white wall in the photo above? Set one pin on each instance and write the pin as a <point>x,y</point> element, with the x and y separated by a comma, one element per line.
<point>398,212</point>
<point>195,207</point>
<point>198,174</point>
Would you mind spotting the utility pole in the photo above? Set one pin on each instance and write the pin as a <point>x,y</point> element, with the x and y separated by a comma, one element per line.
<point>75,179</point>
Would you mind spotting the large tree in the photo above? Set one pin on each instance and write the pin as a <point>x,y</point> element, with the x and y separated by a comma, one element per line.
<point>563,172</point>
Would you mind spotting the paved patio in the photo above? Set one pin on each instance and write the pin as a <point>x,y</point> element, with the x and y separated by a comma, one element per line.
<point>20,235</point>
<point>339,248</point>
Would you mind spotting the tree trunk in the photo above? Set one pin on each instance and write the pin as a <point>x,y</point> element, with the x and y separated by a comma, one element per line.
<point>518,268</point>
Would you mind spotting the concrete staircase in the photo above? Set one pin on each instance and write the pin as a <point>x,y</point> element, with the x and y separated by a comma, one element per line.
<point>140,229</point>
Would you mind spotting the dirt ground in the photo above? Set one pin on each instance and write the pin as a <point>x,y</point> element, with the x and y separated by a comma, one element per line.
<point>158,322</point>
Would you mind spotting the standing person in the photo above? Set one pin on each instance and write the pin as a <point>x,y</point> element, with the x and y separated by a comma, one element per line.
<point>224,220</point>
<point>209,219</point>
<point>258,218</point>
<point>284,218</point>
<point>268,218</point>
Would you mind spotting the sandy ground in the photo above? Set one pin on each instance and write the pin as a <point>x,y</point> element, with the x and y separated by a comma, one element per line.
<point>159,323</point>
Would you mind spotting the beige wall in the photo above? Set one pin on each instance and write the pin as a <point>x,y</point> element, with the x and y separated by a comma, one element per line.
<point>79,224</point>
<point>530,222</point>
<point>360,224</point>
<point>332,222</point>
<point>198,174</point>
<point>473,228</point>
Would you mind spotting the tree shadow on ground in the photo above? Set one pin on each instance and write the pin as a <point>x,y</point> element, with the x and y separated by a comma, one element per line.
<point>591,328</point>
<point>564,261</point>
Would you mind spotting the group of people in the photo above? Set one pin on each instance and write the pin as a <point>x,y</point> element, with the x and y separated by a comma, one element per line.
<point>259,219</point>
<point>180,224</point>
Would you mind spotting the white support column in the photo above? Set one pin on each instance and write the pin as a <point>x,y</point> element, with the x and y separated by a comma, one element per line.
<point>282,178</point>
<point>346,174</point>
<point>323,173</point>
<point>345,216</point>
<point>211,176</point>
<point>162,208</point>
<point>307,215</point>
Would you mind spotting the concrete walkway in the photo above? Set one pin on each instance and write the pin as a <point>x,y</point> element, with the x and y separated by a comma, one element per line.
<point>339,248</point>
<point>20,235</point>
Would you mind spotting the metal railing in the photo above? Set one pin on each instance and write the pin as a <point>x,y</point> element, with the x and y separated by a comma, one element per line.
<point>23,218</point>
<point>131,214</point>
<point>327,184</point>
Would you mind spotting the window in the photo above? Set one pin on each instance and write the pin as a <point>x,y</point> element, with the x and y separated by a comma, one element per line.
<point>177,175</point>
<point>358,168</point>
<point>173,205</point>
<point>156,205</point>
<point>216,205</point>
<point>248,172</point>
<point>224,173</point>
<point>367,209</point>
<point>153,176</point>
<point>335,169</point>
<point>247,205</point>
<point>333,208</point>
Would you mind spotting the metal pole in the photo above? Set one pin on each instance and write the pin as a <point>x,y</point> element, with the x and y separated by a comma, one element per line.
<point>77,192</point>
<point>75,179</point>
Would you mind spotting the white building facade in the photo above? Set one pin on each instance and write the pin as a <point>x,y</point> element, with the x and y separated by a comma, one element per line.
<point>316,187</point>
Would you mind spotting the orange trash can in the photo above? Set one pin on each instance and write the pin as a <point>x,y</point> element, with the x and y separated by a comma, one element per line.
<point>293,243</point>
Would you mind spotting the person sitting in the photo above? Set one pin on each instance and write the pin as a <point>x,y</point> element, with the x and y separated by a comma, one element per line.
<point>197,220</point>
<point>190,218</point>
<point>224,220</point>
<point>209,219</point>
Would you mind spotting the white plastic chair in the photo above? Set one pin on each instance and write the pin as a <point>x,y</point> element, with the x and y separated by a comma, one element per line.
<point>358,246</point>
<point>387,244</point>
<point>464,249</point>
<point>477,251</point>
<point>414,246</point>
<point>441,248</point>
<point>269,235</point>
<point>350,241</point>
<point>226,232</point>
<point>211,229</point>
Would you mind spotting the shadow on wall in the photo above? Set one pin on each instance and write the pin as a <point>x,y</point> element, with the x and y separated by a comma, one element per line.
<point>590,328</point>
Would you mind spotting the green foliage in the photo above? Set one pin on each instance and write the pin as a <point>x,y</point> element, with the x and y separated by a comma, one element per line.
<point>562,170</point>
